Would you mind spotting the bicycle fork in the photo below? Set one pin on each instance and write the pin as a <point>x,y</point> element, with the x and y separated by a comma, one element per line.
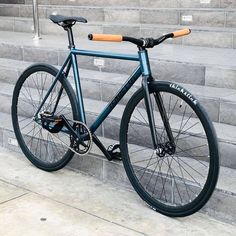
<point>168,147</point>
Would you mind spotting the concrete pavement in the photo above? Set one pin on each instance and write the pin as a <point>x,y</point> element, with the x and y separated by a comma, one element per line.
<point>33,202</point>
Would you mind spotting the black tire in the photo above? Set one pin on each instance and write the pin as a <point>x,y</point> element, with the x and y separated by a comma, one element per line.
<point>175,185</point>
<point>41,147</point>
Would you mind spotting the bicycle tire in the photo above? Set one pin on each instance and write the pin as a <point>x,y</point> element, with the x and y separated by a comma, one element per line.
<point>24,101</point>
<point>135,162</point>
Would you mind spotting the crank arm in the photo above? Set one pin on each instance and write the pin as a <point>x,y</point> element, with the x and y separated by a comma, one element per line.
<point>69,127</point>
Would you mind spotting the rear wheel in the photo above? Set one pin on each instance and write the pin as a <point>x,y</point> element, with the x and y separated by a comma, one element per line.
<point>175,183</point>
<point>46,150</point>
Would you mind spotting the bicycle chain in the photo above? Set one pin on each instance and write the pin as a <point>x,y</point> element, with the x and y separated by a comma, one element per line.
<point>90,138</point>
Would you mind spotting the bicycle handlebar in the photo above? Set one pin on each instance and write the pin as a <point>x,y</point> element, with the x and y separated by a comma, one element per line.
<point>106,37</point>
<point>181,33</point>
<point>143,42</point>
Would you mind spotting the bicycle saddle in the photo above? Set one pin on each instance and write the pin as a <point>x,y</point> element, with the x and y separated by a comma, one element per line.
<point>66,20</point>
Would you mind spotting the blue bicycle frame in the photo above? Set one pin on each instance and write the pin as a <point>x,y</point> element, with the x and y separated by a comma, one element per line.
<point>71,60</point>
<point>143,70</point>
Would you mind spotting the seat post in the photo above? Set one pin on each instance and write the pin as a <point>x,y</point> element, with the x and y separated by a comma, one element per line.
<point>70,37</point>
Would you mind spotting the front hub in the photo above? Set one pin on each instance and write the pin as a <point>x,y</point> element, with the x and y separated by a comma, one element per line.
<point>166,148</point>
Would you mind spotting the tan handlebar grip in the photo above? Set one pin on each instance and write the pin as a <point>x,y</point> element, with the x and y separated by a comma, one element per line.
<point>106,37</point>
<point>180,33</point>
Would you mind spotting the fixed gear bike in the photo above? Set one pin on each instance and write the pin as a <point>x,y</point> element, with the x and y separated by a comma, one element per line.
<point>167,144</point>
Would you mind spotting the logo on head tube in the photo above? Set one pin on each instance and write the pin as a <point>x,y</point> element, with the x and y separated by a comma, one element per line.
<point>184,92</point>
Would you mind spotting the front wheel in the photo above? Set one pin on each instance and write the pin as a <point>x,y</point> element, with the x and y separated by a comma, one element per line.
<point>175,183</point>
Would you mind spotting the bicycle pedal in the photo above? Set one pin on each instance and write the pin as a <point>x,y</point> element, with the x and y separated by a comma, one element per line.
<point>113,153</point>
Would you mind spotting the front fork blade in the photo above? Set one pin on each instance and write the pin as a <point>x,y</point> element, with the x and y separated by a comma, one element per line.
<point>164,117</point>
<point>149,109</point>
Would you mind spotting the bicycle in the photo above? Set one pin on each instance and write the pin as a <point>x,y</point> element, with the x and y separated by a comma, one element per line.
<point>167,144</point>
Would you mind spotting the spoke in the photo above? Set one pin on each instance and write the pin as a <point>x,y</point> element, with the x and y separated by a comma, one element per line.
<point>193,157</point>
<point>152,174</point>
<point>189,166</point>
<point>30,95</point>
<point>134,162</point>
<point>63,108</point>
<point>192,148</point>
<point>147,166</point>
<point>32,135</point>
<point>198,135</point>
<point>142,149</point>
<point>27,124</point>
<point>27,99</point>
<point>180,128</point>
<point>170,114</point>
<point>165,179</point>
<point>23,119</point>
<point>156,179</point>
<point>180,132</point>
<point>145,121</point>
<point>36,86</point>
<point>189,174</point>
<point>162,180</point>
<point>138,135</point>
<point>174,179</point>
<point>182,176</point>
<point>187,186</point>
<point>54,146</point>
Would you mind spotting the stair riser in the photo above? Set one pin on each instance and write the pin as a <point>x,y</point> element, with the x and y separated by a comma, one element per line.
<point>211,18</point>
<point>197,38</point>
<point>143,3</point>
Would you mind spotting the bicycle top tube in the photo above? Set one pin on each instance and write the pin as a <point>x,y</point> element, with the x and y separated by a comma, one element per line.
<point>129,57</point>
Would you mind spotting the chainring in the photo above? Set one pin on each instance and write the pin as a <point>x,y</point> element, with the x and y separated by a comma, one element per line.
<point>81,145</point>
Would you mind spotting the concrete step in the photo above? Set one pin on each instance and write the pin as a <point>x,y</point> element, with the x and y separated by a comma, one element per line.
<point>110,127</point>
<point>200,36</point>
<point>210,17</point>
<point>221,205</point>
<point>182,64</point>
<point>144,3</point>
